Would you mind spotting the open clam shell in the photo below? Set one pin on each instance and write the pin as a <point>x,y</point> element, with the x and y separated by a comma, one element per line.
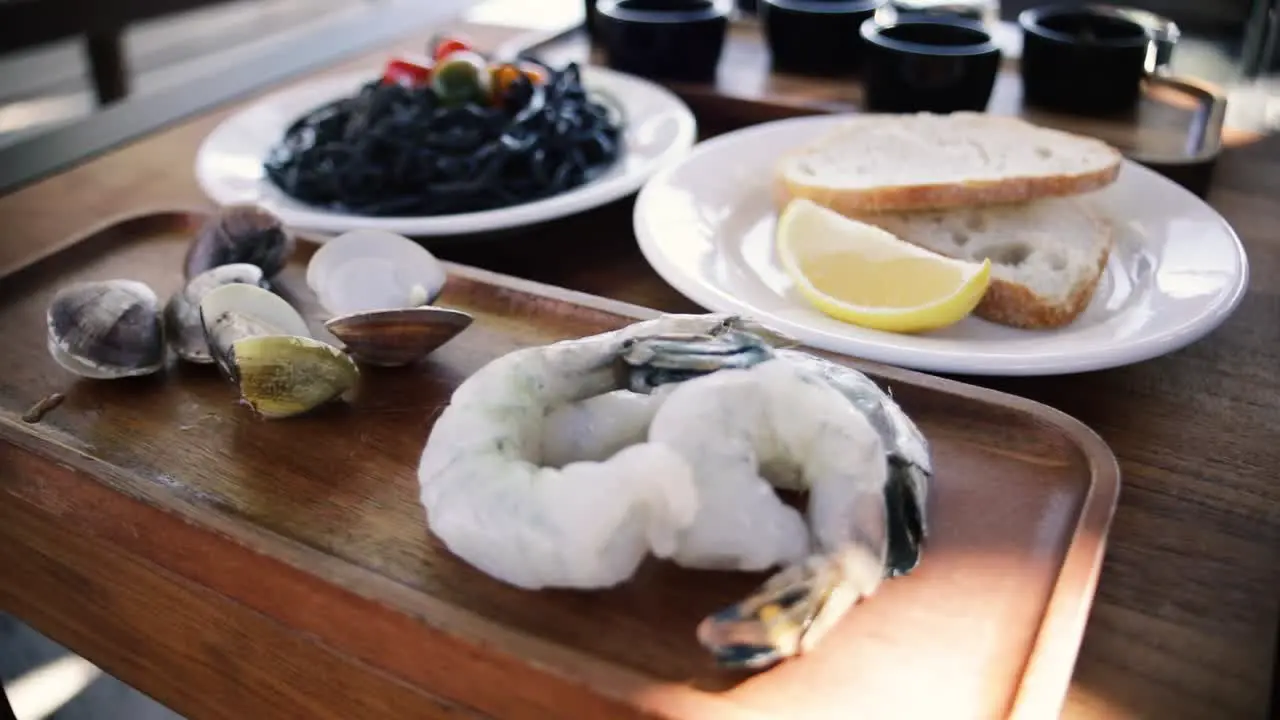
<point>366,270</point>
<point>399,336</point>
<point>183,326</point>
<point>234,312</point>
<point>106,329</point>
<point>282,376</point>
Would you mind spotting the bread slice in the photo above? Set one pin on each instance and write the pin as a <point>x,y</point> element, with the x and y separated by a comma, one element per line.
<point>1046,256</point>
<point>880,162</point>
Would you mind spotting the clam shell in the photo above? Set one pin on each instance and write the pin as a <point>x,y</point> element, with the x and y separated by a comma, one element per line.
<point>183,327</point>
<point>233,312</point>
<point>240,234</point>
<point>366,270</point>
<point>106,329</point>
<point>281,376</point>
<point>397,337</point>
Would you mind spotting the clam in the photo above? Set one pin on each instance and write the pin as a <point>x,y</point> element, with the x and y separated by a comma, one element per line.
<point>280,376</point>
<point>106,329</point>
<point>240,234</point>
<point>365,270</point>
<point>182,322</point>
<point>398,336</point>
<point>233,312</point>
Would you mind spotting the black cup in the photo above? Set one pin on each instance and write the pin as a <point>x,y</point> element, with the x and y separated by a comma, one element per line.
<point>933,9</point>
<point>1087,60</point>
<point>815,37</point>
<point>679,40</point>
<point>928,65</point>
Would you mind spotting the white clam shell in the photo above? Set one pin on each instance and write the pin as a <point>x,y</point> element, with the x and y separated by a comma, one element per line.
<point>250,301</point>
<point>183,326</point>
<point>234,312</point>
<point>365,270</point>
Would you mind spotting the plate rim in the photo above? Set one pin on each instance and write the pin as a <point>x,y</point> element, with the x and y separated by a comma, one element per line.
<point>577,200</point>
<point>1146,347</point>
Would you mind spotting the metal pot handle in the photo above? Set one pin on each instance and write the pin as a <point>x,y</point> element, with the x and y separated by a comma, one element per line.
<point>1164,34</point>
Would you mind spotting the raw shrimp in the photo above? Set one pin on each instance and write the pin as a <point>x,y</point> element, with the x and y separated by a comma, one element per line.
<point>804,423</point>
<point>672,434</point>
<point>597,428</point>
<point>491,497</point>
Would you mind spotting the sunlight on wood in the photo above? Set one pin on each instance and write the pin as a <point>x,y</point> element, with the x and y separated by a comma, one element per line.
<point>543,15</point>
<point>1087,702</point>
<point>42,691</point>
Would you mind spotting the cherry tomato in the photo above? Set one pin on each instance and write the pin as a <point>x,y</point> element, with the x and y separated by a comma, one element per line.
<point>406,72</point>
<point>449,45</point>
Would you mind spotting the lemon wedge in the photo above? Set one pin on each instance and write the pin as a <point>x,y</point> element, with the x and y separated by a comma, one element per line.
<point>861,274</point>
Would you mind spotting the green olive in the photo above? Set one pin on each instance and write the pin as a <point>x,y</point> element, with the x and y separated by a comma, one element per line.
<point>462,77</point>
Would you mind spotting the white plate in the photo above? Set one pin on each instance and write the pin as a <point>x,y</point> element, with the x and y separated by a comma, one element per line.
<point>1178,270</point>
<point>660,129</point>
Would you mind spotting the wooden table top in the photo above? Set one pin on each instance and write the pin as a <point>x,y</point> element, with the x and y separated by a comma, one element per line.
<point>1185,620</point>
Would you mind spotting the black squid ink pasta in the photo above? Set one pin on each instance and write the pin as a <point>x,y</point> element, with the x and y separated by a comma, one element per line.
<point>398,149</point>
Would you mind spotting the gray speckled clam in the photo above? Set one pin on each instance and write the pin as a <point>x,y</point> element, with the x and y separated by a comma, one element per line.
<point>183,326</point>
<point>240,234</point>
<point>106,329</point>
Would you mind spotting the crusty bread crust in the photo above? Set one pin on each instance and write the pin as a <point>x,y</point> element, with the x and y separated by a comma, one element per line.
<point>1012,187</point>
<point>848,201</point>
<point>1014,305</point>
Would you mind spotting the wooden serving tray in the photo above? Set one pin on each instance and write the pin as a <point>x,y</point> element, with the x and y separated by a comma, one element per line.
<point>327,506</point>
<point>1176,128</point>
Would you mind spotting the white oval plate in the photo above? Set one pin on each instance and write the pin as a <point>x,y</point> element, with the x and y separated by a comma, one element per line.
<point>1177,271</point>
<point>660,129</point>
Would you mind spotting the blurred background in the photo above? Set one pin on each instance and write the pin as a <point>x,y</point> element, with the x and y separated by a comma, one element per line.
<point>1230,43</point>
<point>64,60</point>
<point>52,71</point>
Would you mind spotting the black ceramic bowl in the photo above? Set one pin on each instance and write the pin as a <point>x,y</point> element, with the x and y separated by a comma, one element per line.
<point>962,9</point>
<point>815,37</point>
<point>1082,59</point>
<point>677,40</point>
<point>919,64</point>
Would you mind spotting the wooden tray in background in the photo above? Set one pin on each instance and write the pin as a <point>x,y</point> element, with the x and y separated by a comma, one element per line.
<point>1176,128</point>
<point>314,522</point>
